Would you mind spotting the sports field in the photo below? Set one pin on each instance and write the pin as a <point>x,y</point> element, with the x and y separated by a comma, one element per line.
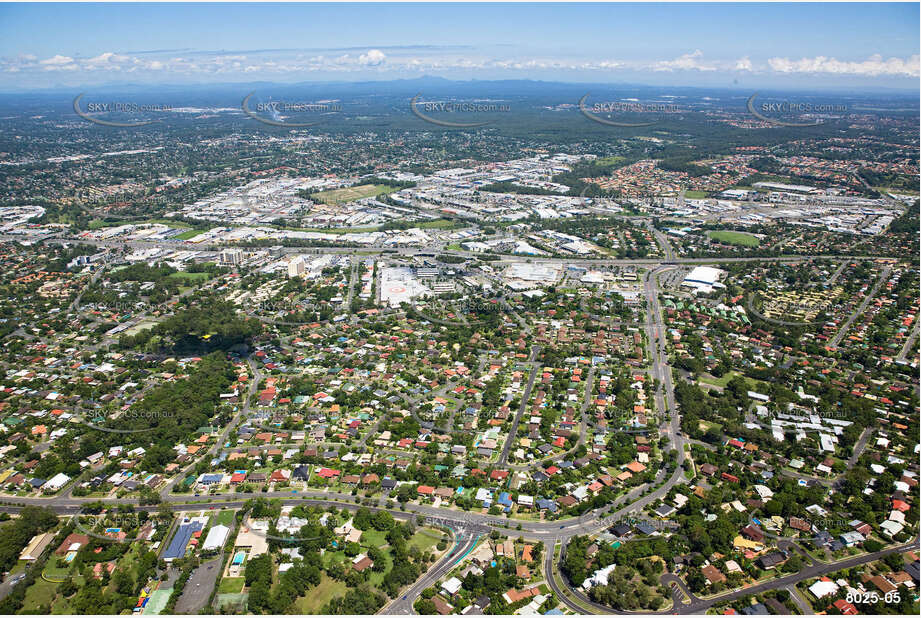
<point>735,238</point>
<point>350,194</point>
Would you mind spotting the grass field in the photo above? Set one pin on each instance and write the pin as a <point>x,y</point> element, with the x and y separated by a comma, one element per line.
<point>735,238</point>
<point>320,596</point>
<point>724,380</point>
<point>695,195</point>
<point>231,585</point>
<point>373,538</point>
<point>427,539</point>
<point>438,224</point>
<point>40,593</point>
<point>224,518</point>
<point>350,194</point>
<point>192,276</point>
<point>134,330</point>
<point>708,425</point>
<point>188,234</point>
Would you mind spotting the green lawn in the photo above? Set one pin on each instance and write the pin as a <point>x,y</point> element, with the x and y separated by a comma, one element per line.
<point>188,234</point>
<point>231,585</point>
<point>318,597</point>
<point>723,381</point>
<point>735,238</point>
<point>708,425</point>
<point>373,538</point>
<point>695,195</point>
<point>56,573</point>
<point>426,539</point>
<point>170,222</point>
<point>193,276</point>
<point>40,593</point>
<point>350,194</point>
<point>224,517</point>
<point>438,224</point>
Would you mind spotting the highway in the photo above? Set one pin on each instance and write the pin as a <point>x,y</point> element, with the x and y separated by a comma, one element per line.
<point>403,605</point>
<point>412,251</point>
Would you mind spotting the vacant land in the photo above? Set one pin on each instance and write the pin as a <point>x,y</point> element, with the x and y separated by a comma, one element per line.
<point>735,238</point>
<point>350,194</point>
<point>224,517</point>
<point>426,539</point>
<point>721,382</point>
<point>188,234</point>
<point>318,597</point>
<point>231,585</point>
<point>191,276</point>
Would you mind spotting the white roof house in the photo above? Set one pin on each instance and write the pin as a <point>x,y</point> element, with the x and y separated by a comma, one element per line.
<point>822,588</point>
<point>56,482</point>
<point>598,578</point>
<point>452,586</point>
<point>897,516</point>
<point>216,537</point>
<point>891,528</point>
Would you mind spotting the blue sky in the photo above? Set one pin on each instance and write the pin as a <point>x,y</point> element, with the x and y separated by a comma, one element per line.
<point>795,45</point>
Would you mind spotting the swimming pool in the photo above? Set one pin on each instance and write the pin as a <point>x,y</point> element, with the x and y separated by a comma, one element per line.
<point>239,557</point>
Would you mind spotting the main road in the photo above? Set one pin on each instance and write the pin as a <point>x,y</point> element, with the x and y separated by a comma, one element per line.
<point>871,293</point>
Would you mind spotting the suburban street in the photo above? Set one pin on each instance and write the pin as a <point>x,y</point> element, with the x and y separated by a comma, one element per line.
<point>468,527</point>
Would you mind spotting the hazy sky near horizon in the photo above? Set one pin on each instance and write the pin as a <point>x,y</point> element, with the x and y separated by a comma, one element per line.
<point>763,45</point>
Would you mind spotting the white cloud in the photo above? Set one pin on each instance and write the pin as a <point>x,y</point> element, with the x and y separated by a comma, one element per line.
<point>687,62</point>
<point>872,66</point>
<point>107,60</point>
<point>272,65</point>
<point>57,61</point>
<point>374,57</point>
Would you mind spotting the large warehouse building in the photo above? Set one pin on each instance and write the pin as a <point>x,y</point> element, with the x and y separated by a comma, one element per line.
<point>703,279</point>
